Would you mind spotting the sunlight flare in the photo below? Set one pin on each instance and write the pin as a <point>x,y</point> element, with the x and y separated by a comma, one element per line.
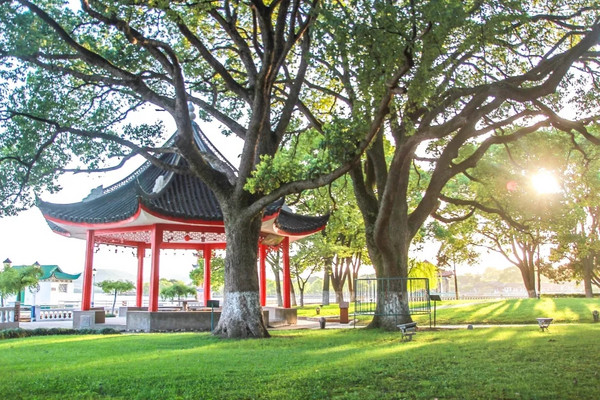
<point>544,182</point>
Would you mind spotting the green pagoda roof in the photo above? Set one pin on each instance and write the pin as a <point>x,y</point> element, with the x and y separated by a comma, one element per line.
<point>52,272</point>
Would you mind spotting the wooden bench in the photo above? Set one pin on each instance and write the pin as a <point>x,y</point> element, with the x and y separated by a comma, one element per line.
<point>408,330</point>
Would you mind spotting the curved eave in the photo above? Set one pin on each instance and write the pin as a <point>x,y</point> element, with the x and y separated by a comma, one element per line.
<point>295,226</point>
<point>296,235</point>
<point>142,218</point>
<point>63,276</point>
<point>57,229</point>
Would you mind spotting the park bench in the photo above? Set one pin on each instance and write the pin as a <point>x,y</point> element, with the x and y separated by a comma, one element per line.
<point>544,323</point>
<point>407,330</point>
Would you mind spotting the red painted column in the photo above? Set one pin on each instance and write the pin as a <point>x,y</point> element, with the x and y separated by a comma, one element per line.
<point>139,291</point>
<point>155,242</point>
<point>207,257</point>
<point>262,274</point>
<point>86,293</point>
<point>286,273</point>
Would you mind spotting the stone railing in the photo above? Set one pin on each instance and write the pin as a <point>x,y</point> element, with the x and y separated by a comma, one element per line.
<point>9,317</point>
<point>7,314</point>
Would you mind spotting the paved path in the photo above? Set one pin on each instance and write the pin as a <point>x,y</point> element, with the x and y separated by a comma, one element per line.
<point>116,322</point>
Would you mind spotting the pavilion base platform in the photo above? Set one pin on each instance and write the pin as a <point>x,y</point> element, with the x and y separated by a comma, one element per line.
<point>89,319</point>
<point>279,316</point>
<point>124,310</point>
<point>171,321</point>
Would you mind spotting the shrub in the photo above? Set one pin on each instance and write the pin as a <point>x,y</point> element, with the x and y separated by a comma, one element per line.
<point>21,333</point>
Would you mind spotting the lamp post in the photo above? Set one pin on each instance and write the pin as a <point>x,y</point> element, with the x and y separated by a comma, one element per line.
<point>93,284</point>
<point>34,291</point>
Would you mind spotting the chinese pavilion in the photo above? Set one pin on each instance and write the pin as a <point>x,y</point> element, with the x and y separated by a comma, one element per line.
<point>154,209</point>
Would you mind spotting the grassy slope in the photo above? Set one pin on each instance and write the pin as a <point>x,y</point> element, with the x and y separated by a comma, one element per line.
<point>517,311</point>
<point>514,311</point>
<point>361,364</point>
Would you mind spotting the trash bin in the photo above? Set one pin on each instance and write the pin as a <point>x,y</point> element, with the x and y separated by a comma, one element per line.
<point>344,312</point>
<point>322,322</point>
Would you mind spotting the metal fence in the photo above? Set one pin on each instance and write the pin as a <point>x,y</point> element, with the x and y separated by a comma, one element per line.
<point>407,296</point>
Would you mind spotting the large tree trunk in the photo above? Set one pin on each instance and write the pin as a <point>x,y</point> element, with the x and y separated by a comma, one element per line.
<point>338,278</point>
<point>392,296</point>
<point>353,269</point>
<point>293,295</point>
<point>325,299</point>
<point>388,240</point>
<point>588,273</point>
<point>528,274</point>
<point>241,316</point>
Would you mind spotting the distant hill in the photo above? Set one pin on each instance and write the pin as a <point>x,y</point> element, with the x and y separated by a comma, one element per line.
<point>105,275</point>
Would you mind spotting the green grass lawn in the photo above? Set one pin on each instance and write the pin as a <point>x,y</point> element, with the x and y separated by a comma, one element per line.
<point>514,311</point>
<point>504,362</point>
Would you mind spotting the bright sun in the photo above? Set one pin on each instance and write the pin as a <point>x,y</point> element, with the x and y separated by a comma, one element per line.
<point>544,182</point>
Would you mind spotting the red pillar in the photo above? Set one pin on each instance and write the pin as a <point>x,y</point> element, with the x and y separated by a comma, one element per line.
<point>86,295</point>
<point>286,273</point>
<point>139,293</point>
<point>155,242</point>
<point>262,274</point>
<point>207,257</point>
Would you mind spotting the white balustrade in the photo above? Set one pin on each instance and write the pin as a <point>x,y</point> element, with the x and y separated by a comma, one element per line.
<point>7,314</point>
<point>55,314</point>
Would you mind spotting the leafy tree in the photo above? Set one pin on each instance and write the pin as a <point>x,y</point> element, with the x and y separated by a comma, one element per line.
<point>457,244</point>
<point>274,261</point>
<point>434,75</point>
<point>577,240</point>
<point>13,281</point>
<point>303,264</point>
<point>217,271</point>
<point>162,283</point>
<point>80,72</point>
<point>511,216</point>
<point>177,289</point>
<point>460,85</point>
<point>115,287</point>
<point>341,248</point>
<point>423,269</point>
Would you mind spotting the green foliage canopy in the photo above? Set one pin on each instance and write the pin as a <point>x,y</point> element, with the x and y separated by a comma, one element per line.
<point>115,286</point>
<point>13,281</point>
<point>177,290</point>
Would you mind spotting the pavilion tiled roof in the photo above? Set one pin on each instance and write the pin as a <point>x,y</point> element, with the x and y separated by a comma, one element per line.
<point>50,272</point>
<point>292,223</point>
<point>168,194</point>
